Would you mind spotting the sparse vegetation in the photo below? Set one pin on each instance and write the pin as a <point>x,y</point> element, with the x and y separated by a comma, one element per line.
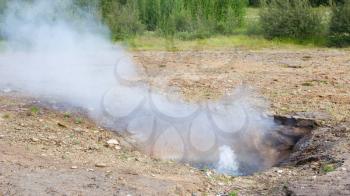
<point>78,120</point>
<point>66,115</point>
<point>328,168</point>
<point>233,194</point>
<point>34,110</point>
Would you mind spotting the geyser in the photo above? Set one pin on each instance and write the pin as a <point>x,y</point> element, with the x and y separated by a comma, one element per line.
<point>53,55</point>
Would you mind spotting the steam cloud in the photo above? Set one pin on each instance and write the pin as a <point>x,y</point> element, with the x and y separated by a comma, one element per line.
<point>53,56</point>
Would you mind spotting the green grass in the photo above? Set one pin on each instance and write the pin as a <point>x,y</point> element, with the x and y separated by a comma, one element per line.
<point>249,37</point>
<point>153,42</point>
<point>233,194</point>
<point>34,110</point>
<point>66,115</point>
<point>78,121</point>
<point>328,168</point>
<point>252,14</point>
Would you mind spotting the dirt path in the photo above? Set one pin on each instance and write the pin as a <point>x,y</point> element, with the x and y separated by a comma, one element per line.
<point>47,152</point>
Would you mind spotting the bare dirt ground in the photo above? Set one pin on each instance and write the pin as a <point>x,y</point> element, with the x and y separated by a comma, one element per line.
<point>48,152</point>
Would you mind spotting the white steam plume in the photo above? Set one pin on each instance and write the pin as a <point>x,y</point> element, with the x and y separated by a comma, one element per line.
<point>52,56</point>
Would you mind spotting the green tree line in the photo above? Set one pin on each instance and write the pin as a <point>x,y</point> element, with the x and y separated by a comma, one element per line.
<point>185,18</point>
<point>191,19</point>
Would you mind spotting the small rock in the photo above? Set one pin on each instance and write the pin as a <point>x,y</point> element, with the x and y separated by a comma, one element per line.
<point>279,171</point>
<point>74,167</point>
<point>294,66</point>
<point>221,184</point>
<point>61,125</point>
<point>34,139</point>
<point>100,165</point>
<point>112,142</point>
<point>117,147</point>
<point>2,136</point>
<point>208,173</point>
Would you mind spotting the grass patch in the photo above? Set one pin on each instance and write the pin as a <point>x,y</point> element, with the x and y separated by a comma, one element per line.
<point>327,168</point>
<point>66,115</point>
<point>232,193</point>
<point>78,120</point>
<point>153,42</point>
<point>34,110</point>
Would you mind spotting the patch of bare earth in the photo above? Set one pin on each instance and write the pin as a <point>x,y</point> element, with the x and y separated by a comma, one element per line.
<point>48,152</point>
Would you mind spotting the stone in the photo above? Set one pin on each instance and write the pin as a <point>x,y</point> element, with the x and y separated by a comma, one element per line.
<point>34,139</point>
<point>112,142</point>
<point>100,165</point>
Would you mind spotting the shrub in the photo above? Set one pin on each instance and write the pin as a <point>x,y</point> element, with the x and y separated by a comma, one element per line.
<point>122,19</point>
<point>339,30</point>
<point>327,168</point>
<point>290,19</point>
<point>189,19</point>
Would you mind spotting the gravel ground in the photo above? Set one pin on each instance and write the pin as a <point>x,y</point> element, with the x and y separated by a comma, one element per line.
<point>49,152</point>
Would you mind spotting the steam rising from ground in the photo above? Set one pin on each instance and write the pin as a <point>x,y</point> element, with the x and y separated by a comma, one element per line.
<point>73,62</point>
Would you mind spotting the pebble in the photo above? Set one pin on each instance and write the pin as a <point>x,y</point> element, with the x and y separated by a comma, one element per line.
<point>34,139</point>
<point>112,142</point>
<point>100,165</point>
<point>61,125</point>
<point>74,167</point>
<point>2,136</point>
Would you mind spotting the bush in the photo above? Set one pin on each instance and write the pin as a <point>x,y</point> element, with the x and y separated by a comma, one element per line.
<point>290,19</point>
<point>122,19</point>
<point>189,19</point>
<point>339,30</point>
